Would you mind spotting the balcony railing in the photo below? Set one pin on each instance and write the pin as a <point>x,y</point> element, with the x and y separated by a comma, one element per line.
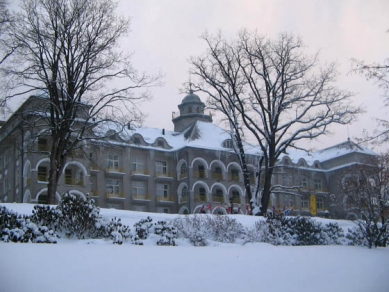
<point>42,177</point>
<point>164,174</point>
<point>115,195</point>
<point>115,169</point>
<point>216,175</point>
<point>140,172</point>
<point>236,200</point>
<point>200,198</point>
<point>165,199</point>
<point>218,199</point>
<point>94,167</point>
<point>233,177</point>
<point>74,181</point>
<point>145,197</point>
<point>94,194</point>
<point>43,147</point>
<point>199,174</point>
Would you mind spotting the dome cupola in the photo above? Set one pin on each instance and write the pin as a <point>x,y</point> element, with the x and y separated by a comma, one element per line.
<point>191,110</point>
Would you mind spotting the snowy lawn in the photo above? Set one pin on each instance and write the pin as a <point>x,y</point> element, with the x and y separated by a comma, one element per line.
<point>98,265</point>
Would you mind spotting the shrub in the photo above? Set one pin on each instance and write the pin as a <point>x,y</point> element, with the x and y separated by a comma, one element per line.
<point>356,237</point>
<point>78,217</point>
<point>303,231</point>
<point>117,231</point>
<point>332,234</point>
<point>19,228</point>
<point>259,232</point>
<point>142,228</point>
<point>224,228</point>
<point>44,215</point>
<point>167,232</point>
<point>368,234</point>
<point>193,228</point>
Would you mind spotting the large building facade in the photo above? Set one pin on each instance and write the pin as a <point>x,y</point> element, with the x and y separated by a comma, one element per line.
<point>189,170</point>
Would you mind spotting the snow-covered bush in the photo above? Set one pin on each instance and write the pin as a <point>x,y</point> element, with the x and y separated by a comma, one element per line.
<point>167,232</point>
<point>303,231</point>
<point>44,215</point>
<point>194,228</point>
<point>279,232</point>
<point>370,235</point>
<point>356,237</point>
<point>20,228</point>
<point>78,216</point>
<point>259,232</point>
<point>117,231</point>
<point>333,234</point>
<point>142,228</point>
<point>201,228</point>
<point>224,228</point>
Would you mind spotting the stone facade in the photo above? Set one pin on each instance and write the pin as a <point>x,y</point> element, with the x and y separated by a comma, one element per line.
<point>189,170</point>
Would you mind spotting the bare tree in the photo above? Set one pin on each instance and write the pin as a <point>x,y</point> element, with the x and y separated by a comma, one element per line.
<point>366,190</point>
<point>280,94</point>
<point>5,22</point>
<point>379,74</point>
<point>67,51</point>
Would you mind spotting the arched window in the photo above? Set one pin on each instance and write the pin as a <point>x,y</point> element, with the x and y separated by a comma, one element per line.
<point>190,109</point>
<point>184,194</point>
<point>183,170</point>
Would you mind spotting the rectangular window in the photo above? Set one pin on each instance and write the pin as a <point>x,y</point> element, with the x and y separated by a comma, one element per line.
<point>42,144</point>
<point>137,165</point>
<point>68,177</point>
<point>163,191</point>
<point>202,194</point>
<point>113,186</point>
<point>161,167</point>
<point>317,184</point>
<point>42,173</point>
<point>303,183</point>
<point>113,162</point>
<point>304,202</point>
<point>138,190</point>
<point>319,203</point>
<point>289,201</point>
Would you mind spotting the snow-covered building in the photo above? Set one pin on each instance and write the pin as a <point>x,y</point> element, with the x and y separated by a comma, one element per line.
<point>188,170</point>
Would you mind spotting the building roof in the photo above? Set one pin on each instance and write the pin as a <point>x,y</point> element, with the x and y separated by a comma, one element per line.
<point>329,153</point>
<point>202,135</point>
<point>191,98</point>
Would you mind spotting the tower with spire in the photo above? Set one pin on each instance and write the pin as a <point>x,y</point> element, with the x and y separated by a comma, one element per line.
<point>191,110</point>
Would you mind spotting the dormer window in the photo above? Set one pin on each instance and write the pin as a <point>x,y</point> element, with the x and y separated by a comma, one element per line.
<point>228,144</point>
<point>160,143</point>
<point>136,140</point>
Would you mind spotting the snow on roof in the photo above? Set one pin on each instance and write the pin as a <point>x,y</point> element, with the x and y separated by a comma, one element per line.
<point>206,135</point>
<point>329,153</point>
<point>200,135</point>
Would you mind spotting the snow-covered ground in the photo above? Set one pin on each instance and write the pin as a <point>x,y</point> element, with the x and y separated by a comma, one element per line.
<point>98,265</point>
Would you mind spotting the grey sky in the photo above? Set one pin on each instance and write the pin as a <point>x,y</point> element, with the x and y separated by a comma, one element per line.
<point>165,33</point>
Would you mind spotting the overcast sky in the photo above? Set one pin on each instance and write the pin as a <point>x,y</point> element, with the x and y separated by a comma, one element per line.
<point>166,33</point>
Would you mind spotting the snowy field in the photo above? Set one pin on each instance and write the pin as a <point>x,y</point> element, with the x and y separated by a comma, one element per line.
<point>98,265</point>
